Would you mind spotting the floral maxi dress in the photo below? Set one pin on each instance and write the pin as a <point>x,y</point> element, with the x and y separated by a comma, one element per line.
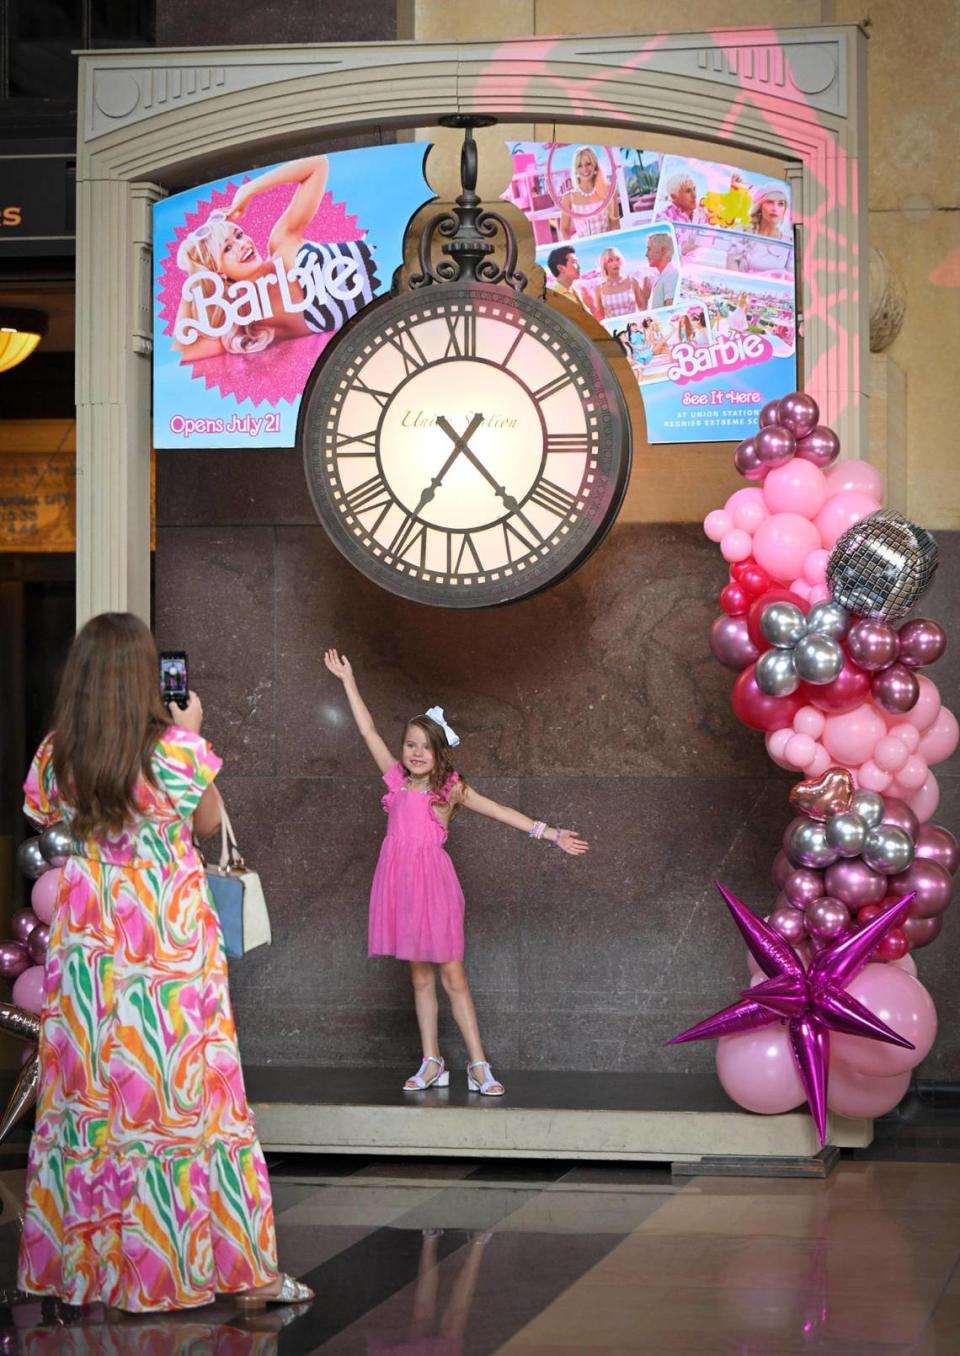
<point>146,1186</point>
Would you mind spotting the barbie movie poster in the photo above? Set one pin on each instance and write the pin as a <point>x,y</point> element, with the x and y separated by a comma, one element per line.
<point>254,274</point>
<point>687,263</point>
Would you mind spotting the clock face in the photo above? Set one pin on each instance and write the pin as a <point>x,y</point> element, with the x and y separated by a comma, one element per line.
<point>465,446</point>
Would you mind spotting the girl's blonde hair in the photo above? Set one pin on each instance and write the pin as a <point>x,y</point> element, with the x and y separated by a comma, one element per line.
<point>203,249</point>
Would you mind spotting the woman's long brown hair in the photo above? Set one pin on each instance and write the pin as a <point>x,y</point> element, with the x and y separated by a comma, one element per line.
<point>442,761</point>
<point>108,718</point>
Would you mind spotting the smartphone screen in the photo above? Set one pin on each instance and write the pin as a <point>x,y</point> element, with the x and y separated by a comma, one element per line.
<point>173,675</point>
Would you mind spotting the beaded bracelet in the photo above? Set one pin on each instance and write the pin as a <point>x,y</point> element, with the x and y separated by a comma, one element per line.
<point>539,829</point>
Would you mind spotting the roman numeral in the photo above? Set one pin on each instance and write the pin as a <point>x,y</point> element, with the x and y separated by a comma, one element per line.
<point>456,567</point>
<point>553,497</point>
<point>568,442</point>
<point>382,398</point>
<point>356,439</point>
<point>410,351</point>
<point>551,388</point>
<point>369,496</point>
<point>461,336</point>
<point>513,348</point>
<point>512,534</point>
<point>410,535</point>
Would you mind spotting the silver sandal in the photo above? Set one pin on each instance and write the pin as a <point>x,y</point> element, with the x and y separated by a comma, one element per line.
<point>419,1081</point>
<point>291,1291</point>
<point>486,1084</point>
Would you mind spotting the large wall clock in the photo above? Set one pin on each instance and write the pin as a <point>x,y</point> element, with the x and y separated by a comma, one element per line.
<point>465,445</point>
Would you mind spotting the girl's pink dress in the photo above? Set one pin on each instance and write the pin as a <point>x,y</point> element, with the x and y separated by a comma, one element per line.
<point>416,903</point>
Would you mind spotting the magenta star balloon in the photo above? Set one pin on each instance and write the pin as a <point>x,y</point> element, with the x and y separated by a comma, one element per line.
<point>812,1002</point>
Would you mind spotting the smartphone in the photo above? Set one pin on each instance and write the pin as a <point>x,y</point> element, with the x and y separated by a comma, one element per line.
<point>174,684</point>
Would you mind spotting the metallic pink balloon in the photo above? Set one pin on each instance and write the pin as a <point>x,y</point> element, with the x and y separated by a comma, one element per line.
<point>937,844</point>
<point>774,446</point>
<point>827,918</point>
<point>789,924</point>
<point>895,689</point>
<point>768,415</point>
<point>782,867</point>
<point>873,644</point>
<point>820,446</point>
<point>931,882</point>
<point>802,887</point>
<point>747,462</point>
<point>22,924</point>
<point>798,412</point>
<point>37,943</point>
<point>899,814</point>
<point>921,642</point>
<point>14,959</point>
<point>922,931</point>
<point>730,642</point>
<point>854,882</point>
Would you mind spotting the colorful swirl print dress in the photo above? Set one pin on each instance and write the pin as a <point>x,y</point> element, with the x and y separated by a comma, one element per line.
<point>146,1186</point>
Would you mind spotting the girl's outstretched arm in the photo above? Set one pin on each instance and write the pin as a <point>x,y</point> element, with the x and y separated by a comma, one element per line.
<point>339,666</point>
<point>564,838</point>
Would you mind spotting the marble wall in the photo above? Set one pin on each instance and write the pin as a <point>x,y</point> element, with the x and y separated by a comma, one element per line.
<point>596,704</point>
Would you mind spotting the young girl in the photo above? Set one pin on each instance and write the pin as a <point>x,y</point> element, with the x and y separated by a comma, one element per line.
<point>416,904</point>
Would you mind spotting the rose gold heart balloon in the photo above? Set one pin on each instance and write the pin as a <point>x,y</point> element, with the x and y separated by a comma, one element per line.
<point>823,796</point>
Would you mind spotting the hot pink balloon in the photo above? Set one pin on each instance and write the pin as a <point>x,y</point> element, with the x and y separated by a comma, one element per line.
<point>927,707</point>
<point>797,487</point>
<point>851,737</point>
<point>924,802</point>
<point>798,412</point>
<point>938,742</point>
<point>717,523</point>
<point>757,710</point>
<point>863,1096</point>
<point>855,883</point>
<point>43,896</point>
<point>735,545</point>
<point>921,642</point>
<point>848,691</point>
<point>28,990</point>
<point>842,511</point>
<point>775,445</point>
<point>904,1004</point>
<point>821,446</point>
<point>782,543</point>
<point>931,881</point>
<point>730,644</point>
<point>855,477</point>
<point>939,845</point>
<point>758,1071</point>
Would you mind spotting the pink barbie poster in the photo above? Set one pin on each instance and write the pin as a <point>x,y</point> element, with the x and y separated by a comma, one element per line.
<point>688,263</point>
<point>255,273</point>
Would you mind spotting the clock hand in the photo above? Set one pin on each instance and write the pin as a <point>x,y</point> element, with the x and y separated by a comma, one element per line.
<point>507,500</point>
<point>459,444</point>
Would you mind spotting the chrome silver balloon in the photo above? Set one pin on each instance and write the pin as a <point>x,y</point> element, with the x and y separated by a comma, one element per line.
<point>869,806</point>
<point>818,658</point>
<point>888,849</point>
<point>56,844</point>
<point>882,565</point>
<point>783,624</point>
<point>776,673</point>
<point>807,845</point>
<point>30,860</point>
<point>847,832</point>
<point>828,619</point>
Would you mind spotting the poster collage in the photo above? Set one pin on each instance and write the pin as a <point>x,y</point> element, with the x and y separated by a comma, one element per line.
<point>689,264</point>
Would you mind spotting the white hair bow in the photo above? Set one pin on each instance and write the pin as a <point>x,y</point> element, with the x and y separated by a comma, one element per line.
<point>436,713</point>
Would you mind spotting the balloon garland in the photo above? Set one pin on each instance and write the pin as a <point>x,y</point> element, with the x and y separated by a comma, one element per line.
<point>819,574</point>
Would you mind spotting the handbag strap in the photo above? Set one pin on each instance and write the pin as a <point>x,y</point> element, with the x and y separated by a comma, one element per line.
<point>230,859</point>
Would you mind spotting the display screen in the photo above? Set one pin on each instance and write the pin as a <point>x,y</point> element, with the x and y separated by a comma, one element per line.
<point>173,675</point>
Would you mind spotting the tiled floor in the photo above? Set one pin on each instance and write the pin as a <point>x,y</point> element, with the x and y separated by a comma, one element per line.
<point>447,1257</point>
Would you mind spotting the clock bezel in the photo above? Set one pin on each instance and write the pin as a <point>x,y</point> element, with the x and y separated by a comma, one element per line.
<point>612,451</point>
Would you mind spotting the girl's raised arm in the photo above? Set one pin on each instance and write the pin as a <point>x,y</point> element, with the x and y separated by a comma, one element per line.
<point>339,666</point>
<point>566,839</point>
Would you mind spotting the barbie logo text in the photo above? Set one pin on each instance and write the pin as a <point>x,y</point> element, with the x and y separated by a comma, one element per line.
<point>726,355</point>
<point>220,307</point>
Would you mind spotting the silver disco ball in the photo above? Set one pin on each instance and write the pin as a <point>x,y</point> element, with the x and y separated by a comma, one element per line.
<point>882,565</point>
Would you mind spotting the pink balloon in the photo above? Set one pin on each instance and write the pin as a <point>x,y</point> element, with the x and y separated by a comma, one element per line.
<point>748,495</point>
<point>815,566</point>
<point>939,741</point>
<point>28,990</point>
<point>913,774</point>
<point>938,844</point>
<point>842,511</point>
<point>924,802</point>
<point>758,1071</point>
<point>798,412</point>
<point>800,750</point>
<point>730,642</point>
<point>43,896</point>
<point>797,487</point>
<point>774,445</point>
<point>904,1004</point>
<point>890,754</point>
<point>857,477</point>
<point>821,761</point>
<point>747,462</point>
<point>748,517</point>
<point>820,446</point>
<point>906,963</point>
<point>782,543</point>
<point>819,593</point>
<point>735,545</point>
<point>717,524</point>
<point>908,735</point>
<point>776,742</point>
<point>922,716</point>
<point>802,589</point>
<point>850,738</point>
<point>768,414</point>
<point>809,721</point>
<point>873,778</point>
<point>863,1095</point>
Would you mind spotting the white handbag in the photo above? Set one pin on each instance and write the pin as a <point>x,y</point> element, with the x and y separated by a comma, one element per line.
<point>237,897</point>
